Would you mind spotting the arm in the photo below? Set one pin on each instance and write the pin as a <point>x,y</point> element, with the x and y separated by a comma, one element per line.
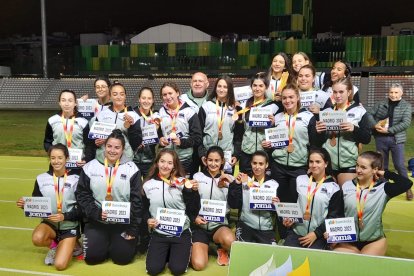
<point>135,135</point>
<point>335,210</point>
<point>136,205</point>
<point>73,215</point>
<point>362,132</point>
<point>192,203</point>
<point>36,189</point>
<point>400,185</point>
<point>404,124</point>
<point>202,119</point>
<point>235,196</point>
<point>315,138</point>
<point>194,138</point>
<point>90,148</point>
<point>85,199</point>
<point>48,140</point>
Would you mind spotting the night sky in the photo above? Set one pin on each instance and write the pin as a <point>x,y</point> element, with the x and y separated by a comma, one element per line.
<point>211,16</point>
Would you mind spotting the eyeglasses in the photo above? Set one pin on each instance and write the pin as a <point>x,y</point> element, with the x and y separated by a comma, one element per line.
<point>101,87</point>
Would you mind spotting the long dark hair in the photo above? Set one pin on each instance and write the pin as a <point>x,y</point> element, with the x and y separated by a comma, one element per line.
<point>116,134</point>
<point>58,146</point>
<point>178,170</point>
<point>325,157</point>
<point>102,78</point>
<point>230,90</point>
<point>218,150</point>
<point>150,90</point>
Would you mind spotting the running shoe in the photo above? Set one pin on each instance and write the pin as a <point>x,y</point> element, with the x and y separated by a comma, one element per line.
<point>222,257</point>
<point>50,256</point>
<point>77,251</point>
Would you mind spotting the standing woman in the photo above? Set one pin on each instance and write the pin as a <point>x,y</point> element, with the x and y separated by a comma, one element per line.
<point>216,121</point>
<point>365,198</point>
<point>60,230</point>
<point>299,59</point>
<point>342,145</point>
<point>290,160</point>
<point>339,71</point>
<point>102,85</point>
<point>319,198</point>
<point>320,99</point>
<point>180,127</point>
<point>69,128</point>
<point>279,74</point>
<point>149,122</point>
<point>165,188</point>
<point>212,185</point>
<point>125,120</point>
<point>115,179</point>
<point>254,137</point>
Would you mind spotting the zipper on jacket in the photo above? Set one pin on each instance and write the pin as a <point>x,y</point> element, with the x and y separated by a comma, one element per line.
<point>221,125</point>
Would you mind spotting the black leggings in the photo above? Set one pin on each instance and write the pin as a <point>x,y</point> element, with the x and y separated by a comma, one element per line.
<point>104,241</point>
<point>174,250</point>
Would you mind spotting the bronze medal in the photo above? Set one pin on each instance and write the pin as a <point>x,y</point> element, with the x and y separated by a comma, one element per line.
<point>290,148</point>
<point>306,216</point>
<point>59,211</point>
<point>235,116</point>
<point>108,198</point>
<point>188,184</point>
<point>220,135</point>
<point>360,224</point>
<point>173,135</point>
<point>333,142</point>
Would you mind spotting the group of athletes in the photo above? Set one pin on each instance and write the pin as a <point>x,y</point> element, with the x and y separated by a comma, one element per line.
<point>183,156</point>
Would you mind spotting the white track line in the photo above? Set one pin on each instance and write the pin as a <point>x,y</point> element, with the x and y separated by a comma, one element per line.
<point>7,201</point>
<point>16,228</point>
<point>28,272</point>
<point>14,178</point>
<point>21,169</point>
<point>23,160</point>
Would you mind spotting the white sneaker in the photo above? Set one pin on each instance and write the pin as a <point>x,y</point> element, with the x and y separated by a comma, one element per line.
<point>77,251</point>
<point>50,256</point>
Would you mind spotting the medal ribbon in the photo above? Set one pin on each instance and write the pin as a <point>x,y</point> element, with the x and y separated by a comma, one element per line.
<point>68,134</point>
<point>59,195</point>
<point>361,205</point>
<point>110,180</point>
<point>310,195</point>
<point>282,84</point>
<point>250,183</point>
<point>172,182</point>
<point>291,129</point>
<point>148,120</point>
<point>244,110</point>
<point>220,117</point>
<point>173,115</point>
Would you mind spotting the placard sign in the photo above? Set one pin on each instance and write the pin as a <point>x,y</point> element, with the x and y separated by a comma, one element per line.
<point>279,137</point>
<point>37,207</point>
<point>289,210</point>
<point>170,221</point>
<point>332,119</point>
<point>101,130</point>
<point>118,211</point>
<point>213,210</point>
<point>341,230</point>
<point>259,116</point>
<point>87,108</point>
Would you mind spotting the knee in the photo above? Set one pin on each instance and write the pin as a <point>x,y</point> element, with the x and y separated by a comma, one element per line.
<point>177,269</point>
<point>122,260</point>
<point>227,241</point>
<point>154,269</point>
<point>38,239</point>
<point>59,265</point>
<point>198,264</point>
<point>93,258</point>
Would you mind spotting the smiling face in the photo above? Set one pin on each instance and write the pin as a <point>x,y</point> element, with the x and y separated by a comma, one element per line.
<point>298,61</point>
<point>365,171</point>
<point>101,89</point>
<point>259,166</point>
<point>222,90</point>
<point>165,164</point>
<point>146,100</point>
<point>395,94</point>
<point>305,79</point>
<point>57,160</point>
<point>214,162</point>
<point>118,96</point>
<point>67,103</point>
<point>290,100</point>
<point>113,150</point>
<point>278,64</point>
<point>199,84</point>
<point>338,71</point>
<point>317,166</point>
<point>170,97</point>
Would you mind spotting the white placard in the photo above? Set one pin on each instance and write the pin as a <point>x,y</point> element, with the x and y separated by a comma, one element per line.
<point>227,156</point>
<point>332,119</point>
<point>289,210</point>
<point>279,137</point>
<point>261,198</point>
<point>259,116</point>
<point>87,108</point>
<point>118,212</point>
<point>341,230</point>
<point>213,210</point>
<point>75,155</point>
<point>37,207</point>
<point>307,98</point>
<point>171,221</point>
<point>242,93</point>
<point>101,130</point>
<point>149,135</point>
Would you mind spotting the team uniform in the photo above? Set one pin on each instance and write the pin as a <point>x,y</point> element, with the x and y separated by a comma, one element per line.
<point>253,136</point>
<point>254,225</point>
<point>194,102</point>
<point>131,134</point>
<point>104,239</point>
<point>327,202</point>
<point>210,115</point>
<point>55,133</point>
<point>343,146</point>
<point>318,97</point>
<point>187,129</point>
<point>144,154</point>
<point>376,200</point>
<point>45,187</point>
<point>165,247</point>
<point>208,189</point>
<point>355,98</point>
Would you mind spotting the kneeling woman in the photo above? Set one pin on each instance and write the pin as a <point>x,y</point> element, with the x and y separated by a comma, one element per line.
<point>365,199</point>
<point>115,180</point>
<point>60,230</point>
<point>166,198</point>
<point>319,198</point>
<point>212,185</point>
